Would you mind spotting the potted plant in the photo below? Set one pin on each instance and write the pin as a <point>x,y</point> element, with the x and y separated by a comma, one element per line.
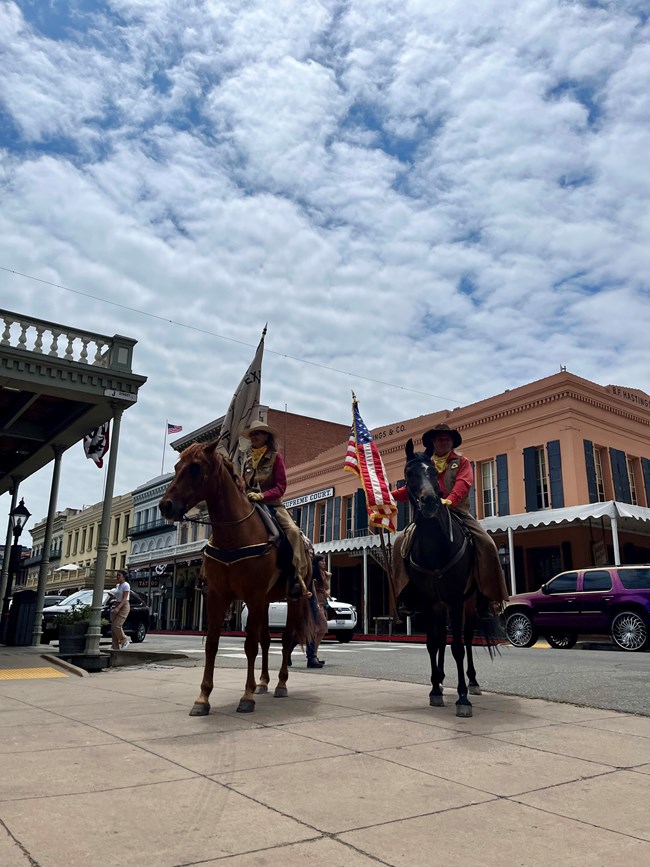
<point>72,626</point>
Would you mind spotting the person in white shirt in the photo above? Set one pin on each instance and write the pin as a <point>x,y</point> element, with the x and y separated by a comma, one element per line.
<point>120,611</point>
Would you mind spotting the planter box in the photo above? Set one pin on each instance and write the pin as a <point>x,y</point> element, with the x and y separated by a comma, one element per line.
<point>72,638</point>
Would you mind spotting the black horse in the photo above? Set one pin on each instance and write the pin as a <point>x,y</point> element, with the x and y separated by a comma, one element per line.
<point>440,567</point>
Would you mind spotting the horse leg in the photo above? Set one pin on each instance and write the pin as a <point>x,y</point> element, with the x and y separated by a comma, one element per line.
<point>463,705</point>
<point>470,629</point>
<point>257,618</point>
<point>265,642</point>
<point>216,610</point>
<point>436,640</point>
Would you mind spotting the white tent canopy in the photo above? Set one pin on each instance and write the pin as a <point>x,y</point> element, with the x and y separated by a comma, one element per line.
<point>612,510</point>
<point>68,567</point>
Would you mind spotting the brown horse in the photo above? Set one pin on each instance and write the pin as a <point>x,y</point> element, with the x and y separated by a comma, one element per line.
<point>240,562</point>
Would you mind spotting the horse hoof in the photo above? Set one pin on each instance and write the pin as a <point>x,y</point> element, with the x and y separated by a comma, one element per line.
<point>246,705</point>
<point>474,689</point>
<point>281,692</point>
<point>436,701</point>
<point>262,689</point>
<point>464,710</point>
<point>200,709</point>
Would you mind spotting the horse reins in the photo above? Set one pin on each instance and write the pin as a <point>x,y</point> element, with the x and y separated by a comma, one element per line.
<point>219,523</point>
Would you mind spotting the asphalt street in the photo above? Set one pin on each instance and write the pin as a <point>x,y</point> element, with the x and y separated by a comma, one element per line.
<point>588,675</point>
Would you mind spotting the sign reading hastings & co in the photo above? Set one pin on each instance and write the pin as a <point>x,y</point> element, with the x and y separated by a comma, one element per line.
<point>325,494</point>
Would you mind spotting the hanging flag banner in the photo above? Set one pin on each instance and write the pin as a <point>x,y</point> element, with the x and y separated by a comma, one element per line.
<point>363,459</point>
<point>96,443</point>
<point>174,428</point>
<point>243,407</point>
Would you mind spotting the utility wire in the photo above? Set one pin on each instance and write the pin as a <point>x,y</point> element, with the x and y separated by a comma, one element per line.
<point>222,337</point>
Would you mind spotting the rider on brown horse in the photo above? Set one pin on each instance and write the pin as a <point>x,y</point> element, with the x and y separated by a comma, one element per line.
<point>455,478</point>
<point>266,481</point>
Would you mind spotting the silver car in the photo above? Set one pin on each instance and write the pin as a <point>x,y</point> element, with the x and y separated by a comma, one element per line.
<point>341,618</point>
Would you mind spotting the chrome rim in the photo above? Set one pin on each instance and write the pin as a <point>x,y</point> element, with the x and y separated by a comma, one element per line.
<point>560,639</point>
<point>629,631</point>
<point>519,630</point>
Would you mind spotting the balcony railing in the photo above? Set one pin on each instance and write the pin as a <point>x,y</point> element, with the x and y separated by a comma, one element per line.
<point>156,526</point>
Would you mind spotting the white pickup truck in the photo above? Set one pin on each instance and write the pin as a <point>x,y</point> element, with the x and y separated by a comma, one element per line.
<point>341,618</point>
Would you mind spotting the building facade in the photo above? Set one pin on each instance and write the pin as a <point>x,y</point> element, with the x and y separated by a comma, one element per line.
<point>562,480</point>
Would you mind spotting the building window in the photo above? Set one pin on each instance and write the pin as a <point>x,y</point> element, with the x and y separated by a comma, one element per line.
<point>348,517</point>
<point>91,535</point>
<point>598,466</point>
<point>126,525</point>
<point>631,466</point>
<point>116,530</point>
<point>113,563</point>
<point>489,488</point>
<point>297,516</point>
<point>541,479</point>
<point>321,521</point>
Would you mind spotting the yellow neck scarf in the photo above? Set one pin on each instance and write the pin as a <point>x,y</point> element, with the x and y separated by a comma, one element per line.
<point>256,455</point>
<point>440,463</point>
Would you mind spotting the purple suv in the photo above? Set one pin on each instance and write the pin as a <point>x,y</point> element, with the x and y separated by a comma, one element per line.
<point>611,600</point>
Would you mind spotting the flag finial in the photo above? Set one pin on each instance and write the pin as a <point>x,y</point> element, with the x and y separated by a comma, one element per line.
<point>264,330</point>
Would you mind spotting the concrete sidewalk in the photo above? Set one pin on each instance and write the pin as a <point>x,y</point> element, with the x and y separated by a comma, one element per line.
<point>109,769</point>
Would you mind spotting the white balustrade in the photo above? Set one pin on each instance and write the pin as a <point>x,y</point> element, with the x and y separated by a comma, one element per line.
<point>25,333</point>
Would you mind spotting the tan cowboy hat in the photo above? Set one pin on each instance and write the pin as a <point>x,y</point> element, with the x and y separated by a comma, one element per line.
<point>428,437</point>
<point>260,426</point>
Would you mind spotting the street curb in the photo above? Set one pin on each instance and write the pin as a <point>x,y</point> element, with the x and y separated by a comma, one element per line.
<point>67,666</point>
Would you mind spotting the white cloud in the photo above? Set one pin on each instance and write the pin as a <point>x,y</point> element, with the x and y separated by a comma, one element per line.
<point>447,196</point>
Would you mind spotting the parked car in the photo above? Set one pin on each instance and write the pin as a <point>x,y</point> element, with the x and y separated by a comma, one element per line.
<point>341,618</point>
<point>53,600</point>
<point>612,600</point>
<point>136,624</point>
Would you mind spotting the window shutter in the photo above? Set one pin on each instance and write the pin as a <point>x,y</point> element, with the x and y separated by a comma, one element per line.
<point>503,497</point>
<point>472,492</point>
<point>530,486</point>
<point>311,510</point>
<point>555,474</point>
<point>592,485</point>
<point>622,491</point>
<point>329,517</point>
<point>336,525</point>
<point>360,511</point>
<point>645,467</point>
<point>403,510</point>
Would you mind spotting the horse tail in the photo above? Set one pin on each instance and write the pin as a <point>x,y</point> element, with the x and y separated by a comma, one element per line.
<point>488,622</point>
<point>303,624</point>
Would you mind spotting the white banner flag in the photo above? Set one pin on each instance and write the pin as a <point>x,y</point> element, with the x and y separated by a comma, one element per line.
<point>243,406</point>
<point>96,443</point>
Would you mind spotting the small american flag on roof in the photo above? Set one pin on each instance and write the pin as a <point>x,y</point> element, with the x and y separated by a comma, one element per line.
<point>174,428</point>
<point>363,459</point>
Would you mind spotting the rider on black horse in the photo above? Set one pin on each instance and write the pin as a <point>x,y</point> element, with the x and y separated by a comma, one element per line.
<point>455,478</point>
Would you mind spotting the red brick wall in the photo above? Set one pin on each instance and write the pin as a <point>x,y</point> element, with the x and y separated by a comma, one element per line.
<point>302,438</point>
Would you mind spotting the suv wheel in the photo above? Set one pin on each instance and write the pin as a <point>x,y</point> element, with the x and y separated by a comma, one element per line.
<point>140,633</point>
<point>562,640</point>
<point>629,631</point>
<point>343,635</point>
<point>521,630</point>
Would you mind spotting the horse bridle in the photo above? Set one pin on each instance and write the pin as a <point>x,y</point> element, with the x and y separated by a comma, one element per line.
<point>220,523</point>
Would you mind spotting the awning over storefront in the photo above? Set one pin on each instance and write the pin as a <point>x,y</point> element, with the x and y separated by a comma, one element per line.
<point>612,510</point>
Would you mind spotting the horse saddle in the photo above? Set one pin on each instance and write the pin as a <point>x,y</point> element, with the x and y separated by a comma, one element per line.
<point>278,538</point>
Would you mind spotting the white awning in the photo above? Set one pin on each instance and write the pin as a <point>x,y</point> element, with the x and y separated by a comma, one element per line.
<point>611,510</point>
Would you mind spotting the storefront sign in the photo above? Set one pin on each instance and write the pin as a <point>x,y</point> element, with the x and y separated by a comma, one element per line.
<point>309,498</point>
<point>632,396</point>
<point>389,432</point>
<point>144,582</point>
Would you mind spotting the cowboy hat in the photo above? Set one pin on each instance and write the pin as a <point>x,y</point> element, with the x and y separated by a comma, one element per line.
<point>261,427</point>
<point>428,437</point>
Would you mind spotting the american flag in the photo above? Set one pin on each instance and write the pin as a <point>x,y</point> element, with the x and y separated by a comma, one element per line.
<point>363,459</point>
<point>174,428</point>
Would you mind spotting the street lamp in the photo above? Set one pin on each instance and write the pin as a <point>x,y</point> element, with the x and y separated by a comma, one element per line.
<point>504,557</point>
<point>18,517</point>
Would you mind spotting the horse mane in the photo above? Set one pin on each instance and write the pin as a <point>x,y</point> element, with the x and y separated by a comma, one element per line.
<point>197,451</point>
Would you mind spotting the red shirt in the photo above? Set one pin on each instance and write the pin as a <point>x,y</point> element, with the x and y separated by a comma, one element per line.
<point>464,481</point>
<point>276,492</point>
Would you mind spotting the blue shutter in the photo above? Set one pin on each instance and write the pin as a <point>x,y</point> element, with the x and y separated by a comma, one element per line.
<point>530,485</point>
<point>555,474</point>
<point>472,492</point>
<point>336,528</point>
<point>622,491</point>
<point>403,510</point>
<point>329,517</point>
<point>645,467</point>
<point>360,511</point>
<point>503,499</point>
<point>590,465</point>
<point>311,509</point>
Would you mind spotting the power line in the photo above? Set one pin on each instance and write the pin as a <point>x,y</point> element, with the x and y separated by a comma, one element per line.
<point>223,337</point>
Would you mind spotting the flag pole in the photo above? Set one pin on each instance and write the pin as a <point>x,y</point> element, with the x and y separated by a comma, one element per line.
<point>162,463</point>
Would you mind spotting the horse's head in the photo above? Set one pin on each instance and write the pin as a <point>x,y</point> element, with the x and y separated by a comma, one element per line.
<point>197,476</point>
<point>422,480</point>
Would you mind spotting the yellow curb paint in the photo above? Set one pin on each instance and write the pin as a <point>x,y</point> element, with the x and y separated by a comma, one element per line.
<point>29,673</point>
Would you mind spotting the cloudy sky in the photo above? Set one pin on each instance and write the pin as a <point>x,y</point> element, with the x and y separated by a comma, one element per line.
<point>428,201</point>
